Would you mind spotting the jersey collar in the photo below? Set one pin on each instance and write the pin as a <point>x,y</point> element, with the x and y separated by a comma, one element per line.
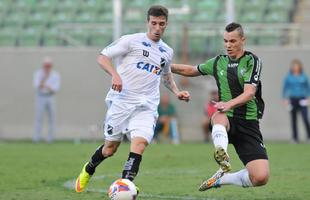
<point>238,59</point>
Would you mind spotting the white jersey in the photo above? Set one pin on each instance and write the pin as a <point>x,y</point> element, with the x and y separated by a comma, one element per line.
<point>141,62</point>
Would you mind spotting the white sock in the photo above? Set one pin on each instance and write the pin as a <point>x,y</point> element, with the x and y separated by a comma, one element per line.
<point>219,136</point>
<point>240,178</point>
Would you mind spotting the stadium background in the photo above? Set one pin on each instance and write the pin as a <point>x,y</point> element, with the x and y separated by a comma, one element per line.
<point>73,32</point>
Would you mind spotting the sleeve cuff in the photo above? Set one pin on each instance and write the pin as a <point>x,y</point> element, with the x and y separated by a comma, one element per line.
<point>254,84</point>
<point>198,68</point>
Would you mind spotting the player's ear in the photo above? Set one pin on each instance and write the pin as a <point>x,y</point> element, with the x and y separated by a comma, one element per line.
<point>243,39</point>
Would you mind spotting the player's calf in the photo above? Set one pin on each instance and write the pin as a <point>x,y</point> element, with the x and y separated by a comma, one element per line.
<point>131,167</point>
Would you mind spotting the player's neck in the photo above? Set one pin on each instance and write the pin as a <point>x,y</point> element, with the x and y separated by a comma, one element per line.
<point>148,35</point>
<point>238,55</point>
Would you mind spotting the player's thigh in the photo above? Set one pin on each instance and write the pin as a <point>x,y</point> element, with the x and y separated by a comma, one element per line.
<point>258,171</point>
<point>247,139</point>
<point>142,124</point>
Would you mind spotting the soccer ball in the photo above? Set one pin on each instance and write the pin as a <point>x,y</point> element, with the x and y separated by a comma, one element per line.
<point>122,189</point>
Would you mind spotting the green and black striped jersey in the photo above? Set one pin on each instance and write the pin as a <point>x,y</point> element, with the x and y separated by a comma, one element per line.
<point>231,76</point>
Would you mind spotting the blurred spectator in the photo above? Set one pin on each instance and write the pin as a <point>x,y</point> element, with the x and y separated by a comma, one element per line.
<point>184,82</point>
<point>46,83</point>
<point>167,123</point>
<point>209,110</point>
<point>296,93</point>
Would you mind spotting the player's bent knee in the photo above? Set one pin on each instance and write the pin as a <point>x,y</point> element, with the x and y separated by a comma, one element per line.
<point>109,151</point>
<point>138,148</point>
<point>138,145</point>
<point>259,179</point>
<point>220,118</point>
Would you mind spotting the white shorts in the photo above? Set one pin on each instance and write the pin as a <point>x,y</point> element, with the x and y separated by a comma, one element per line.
<point>130,119</point>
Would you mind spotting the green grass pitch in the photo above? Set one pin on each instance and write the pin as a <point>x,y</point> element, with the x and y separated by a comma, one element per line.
<point>41,172</point>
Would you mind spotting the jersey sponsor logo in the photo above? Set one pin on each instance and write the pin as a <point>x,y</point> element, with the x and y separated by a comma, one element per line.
<point>232,65</point>
<point>149,68</point>
<point>161,49</point>
<point>146,53</point>
<point>146,44</point>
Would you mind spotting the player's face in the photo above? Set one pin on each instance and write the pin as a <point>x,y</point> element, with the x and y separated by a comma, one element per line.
<point>156,27</point>
<point>233,43</point>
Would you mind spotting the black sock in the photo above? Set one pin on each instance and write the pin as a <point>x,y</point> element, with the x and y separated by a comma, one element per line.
<point>95,160</point>
<point>131,167</point>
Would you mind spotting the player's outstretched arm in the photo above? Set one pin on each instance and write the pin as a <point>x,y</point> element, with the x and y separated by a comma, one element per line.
<point>106,64</point>
<point>170,84</point>
<point>185,70</point>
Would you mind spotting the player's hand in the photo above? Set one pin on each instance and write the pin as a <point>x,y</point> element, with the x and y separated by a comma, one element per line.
<point>222,106</point>
<point>117,84</point>
<point>184,96</point>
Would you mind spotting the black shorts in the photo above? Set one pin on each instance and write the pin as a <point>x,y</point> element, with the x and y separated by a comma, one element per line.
<point>247,139</point>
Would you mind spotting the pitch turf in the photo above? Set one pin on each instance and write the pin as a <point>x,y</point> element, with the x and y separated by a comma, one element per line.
<point>39,172</point>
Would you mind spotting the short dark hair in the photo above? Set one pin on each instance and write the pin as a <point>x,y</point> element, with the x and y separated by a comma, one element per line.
<point>157,10</point>
<point>235,26</point>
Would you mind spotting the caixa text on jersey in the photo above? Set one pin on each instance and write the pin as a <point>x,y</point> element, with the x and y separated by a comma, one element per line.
<point>149,68</point>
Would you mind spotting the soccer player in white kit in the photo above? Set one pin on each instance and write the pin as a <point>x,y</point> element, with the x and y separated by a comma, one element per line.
<point>134,96</point>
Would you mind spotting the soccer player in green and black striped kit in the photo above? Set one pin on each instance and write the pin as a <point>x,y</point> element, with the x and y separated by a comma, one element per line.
<point>240,106</point>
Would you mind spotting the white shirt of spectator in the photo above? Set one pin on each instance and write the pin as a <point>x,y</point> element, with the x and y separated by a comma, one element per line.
<point>141,62</point>
<point>53,81</point>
